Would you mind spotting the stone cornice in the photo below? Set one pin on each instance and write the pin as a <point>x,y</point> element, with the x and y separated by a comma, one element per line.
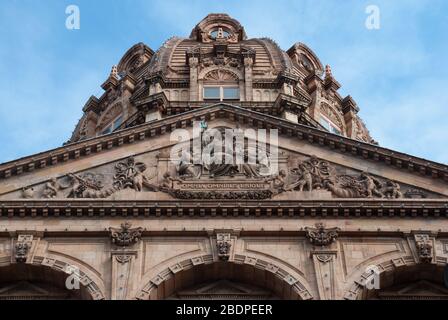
<point>159,77</point>
<point>353,208</point>
<point>324,139</point>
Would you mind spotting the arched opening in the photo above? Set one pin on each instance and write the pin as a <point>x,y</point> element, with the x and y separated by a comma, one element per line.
<point>29,282</point>
<point>225,281</point>
<point>417,282</point>
<point>220,85</point>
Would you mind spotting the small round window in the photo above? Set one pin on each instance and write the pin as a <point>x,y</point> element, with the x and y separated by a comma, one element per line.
<point>219,33</point>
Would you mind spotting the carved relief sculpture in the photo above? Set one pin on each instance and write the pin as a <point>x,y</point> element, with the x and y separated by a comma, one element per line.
<point>311,174</point>
<point>21,251</point>
<point>304,182</point>
<point>424,247</point>
<point>125,235</point>
<point>22,247</point>
<point>321,236</point>
<point>223,244</point>
<point>392,190</point>
<point>185,167</point>
<point>28,193</point>
<point>88,185</point>
<point>130,174</point>
<point>51,189</point>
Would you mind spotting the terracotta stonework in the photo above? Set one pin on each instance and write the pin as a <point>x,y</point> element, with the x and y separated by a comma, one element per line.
<point>112,205</point>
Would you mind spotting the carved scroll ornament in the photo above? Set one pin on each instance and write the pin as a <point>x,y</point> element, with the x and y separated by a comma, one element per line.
<point>321,236</point>
<point>125,235</point>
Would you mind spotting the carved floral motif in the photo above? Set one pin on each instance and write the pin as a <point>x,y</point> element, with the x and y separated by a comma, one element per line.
<point>125,235</point>
<point>221,75</point>
<point>321,236</point>
<point>123,259</point>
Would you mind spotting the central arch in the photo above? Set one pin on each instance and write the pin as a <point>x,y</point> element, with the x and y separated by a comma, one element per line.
<point>204,278</point>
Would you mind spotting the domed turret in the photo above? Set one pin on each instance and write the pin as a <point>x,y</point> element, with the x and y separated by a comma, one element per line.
<point>219,63</point>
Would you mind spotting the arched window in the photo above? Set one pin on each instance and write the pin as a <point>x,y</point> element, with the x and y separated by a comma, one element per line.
<point>114,125</point>
<point>329,125</point>
<point>330,120</point>
<point>111,119</point>
<point>221,85</point>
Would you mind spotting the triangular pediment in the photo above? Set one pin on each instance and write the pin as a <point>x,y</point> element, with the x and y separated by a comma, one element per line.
<point>418,290</point>
<point>27,290</point>
<point>134,164</point>
<point>223,289</point>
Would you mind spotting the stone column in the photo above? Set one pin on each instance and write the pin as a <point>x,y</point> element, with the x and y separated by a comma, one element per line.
<point>248,65</point>
<point>125,272</point>
<point>194,90</point>
<point>122,265</point>
<point>324,253</point>
<point>350,109</point>
<point>324,265</point>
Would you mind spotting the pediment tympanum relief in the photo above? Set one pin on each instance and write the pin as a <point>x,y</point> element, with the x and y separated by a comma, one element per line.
<point>154,175</point>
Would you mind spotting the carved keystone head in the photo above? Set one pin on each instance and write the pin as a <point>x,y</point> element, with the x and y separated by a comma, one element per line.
<point>223,244</point>
<point>423,242</point>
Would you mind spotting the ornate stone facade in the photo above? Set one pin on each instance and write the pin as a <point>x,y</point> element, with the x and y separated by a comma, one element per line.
<point>113,205</point>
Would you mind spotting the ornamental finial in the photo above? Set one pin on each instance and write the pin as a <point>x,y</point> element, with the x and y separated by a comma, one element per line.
<point>114,72</point>
<point>328,73</point>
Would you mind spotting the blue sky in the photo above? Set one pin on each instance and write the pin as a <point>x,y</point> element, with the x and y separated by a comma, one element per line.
<point>397,74</point>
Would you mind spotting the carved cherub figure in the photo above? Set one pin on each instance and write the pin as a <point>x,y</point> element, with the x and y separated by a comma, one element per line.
<point>185,168</point>
<point>77,188</point>
<point>168,179</point>
<point>392,190</point>
<point>372,186</point>
<point>28,193</point>
<point>305,182</point>
<point>278,182</point>
<point>51,189</point>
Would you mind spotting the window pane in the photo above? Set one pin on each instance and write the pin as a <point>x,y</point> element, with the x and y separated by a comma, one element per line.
<point>231,93</point>
<point>107,130</point>
<point>211,93</point>
<point>325,123</point>
<point>118,122</point>
<point>335,130</point>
